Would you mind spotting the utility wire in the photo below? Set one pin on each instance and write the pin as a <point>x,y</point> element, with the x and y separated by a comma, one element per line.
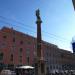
<point>56,36</point>
<point>2,17</point>
<point>23,28</point>
<point>29,26</point>
<point>26,26</point>
<point>46,35</point>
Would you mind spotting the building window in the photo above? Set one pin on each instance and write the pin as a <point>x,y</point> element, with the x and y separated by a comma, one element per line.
<point>21,49</point>
<point>13,39</point>
<point>1,56</point>
<point>20,55</point>
<point>28,52</point>
<point>11,57</point>
<point>53,67</point>
<point>21,42</point>
<point>35,46</point>
<point>20,58</point>
<point>57,67</point>
<point>28,42</point>
<point>14,32</point>
<point>42,67</point>
<point>28,60</point>
<point>3,45</point>
<point>4,36</point>
<point>50,66</point>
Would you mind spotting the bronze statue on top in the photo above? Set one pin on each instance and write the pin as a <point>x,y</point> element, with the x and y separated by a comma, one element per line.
<point>38,14</point>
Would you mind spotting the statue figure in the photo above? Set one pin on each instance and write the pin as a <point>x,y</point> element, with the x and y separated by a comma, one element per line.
<point>38,14</point>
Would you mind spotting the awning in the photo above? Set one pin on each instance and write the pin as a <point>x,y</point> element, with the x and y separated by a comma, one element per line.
<point>25,67</point>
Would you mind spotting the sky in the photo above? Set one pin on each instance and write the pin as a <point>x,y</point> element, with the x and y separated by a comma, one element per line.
<point>58,19</point>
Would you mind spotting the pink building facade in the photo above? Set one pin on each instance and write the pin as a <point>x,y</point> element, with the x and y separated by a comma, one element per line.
<point>17,48</point>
